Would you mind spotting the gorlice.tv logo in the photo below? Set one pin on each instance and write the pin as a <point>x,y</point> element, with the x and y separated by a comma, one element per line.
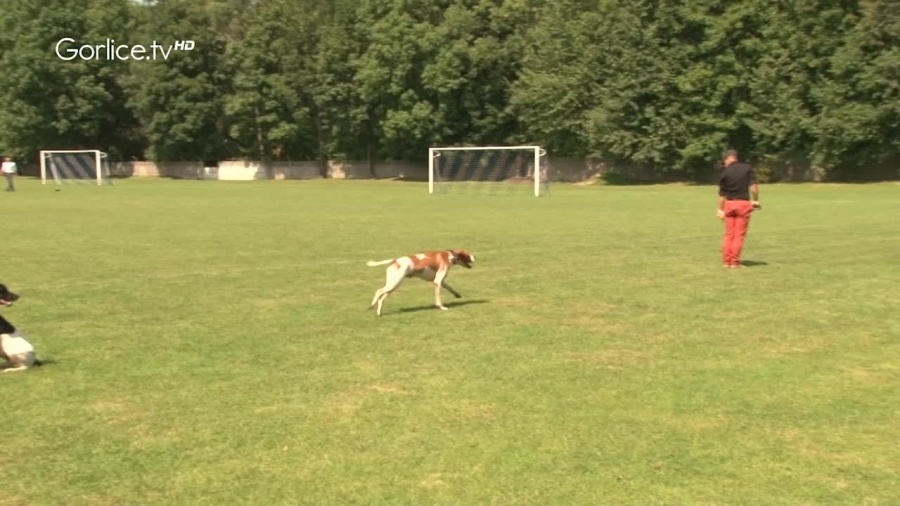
<point>68,50</point>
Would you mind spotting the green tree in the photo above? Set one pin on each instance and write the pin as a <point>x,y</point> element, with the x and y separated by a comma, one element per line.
<point>796,43</point>
<point>665,85</point>
<point>469,79</point>
<point>859,121</point>
<point>346,127</point>
<point>63,103</point>
<point>179,96</point>
<point>401,41</point>
<point>564,66</point>
<point>675,82</point>
<point>268,115</point>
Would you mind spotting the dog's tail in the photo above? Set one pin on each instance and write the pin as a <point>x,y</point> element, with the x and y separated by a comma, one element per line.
<point>373,263</point>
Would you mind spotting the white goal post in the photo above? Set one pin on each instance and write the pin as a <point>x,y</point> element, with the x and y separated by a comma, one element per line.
<point>538,171</point>
<point>74,165</point>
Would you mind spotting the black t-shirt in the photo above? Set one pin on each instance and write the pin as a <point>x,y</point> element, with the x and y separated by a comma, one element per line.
<point>735,181</point>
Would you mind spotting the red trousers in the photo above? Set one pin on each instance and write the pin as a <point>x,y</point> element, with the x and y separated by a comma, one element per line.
<point>737,219</point>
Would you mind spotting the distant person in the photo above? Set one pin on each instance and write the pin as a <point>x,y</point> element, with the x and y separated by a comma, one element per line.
<point>9,172</point>
<point>738,197</point>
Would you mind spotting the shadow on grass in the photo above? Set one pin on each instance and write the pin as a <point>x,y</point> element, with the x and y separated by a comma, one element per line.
<point>449,305</point>
<point>751,263</point>
<point>614,179</point>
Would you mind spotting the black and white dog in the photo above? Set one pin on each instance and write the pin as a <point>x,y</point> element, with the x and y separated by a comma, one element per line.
<point>14,346</point>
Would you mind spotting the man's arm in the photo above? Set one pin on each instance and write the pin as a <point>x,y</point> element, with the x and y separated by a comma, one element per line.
<point>754,186</point>
<point>720,210</point>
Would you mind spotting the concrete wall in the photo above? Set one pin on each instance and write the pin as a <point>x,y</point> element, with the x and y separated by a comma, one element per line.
<point>250,170</point>
<point>569,170</point>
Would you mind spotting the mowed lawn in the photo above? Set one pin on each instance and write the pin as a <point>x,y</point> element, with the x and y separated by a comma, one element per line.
<point>211,344</point>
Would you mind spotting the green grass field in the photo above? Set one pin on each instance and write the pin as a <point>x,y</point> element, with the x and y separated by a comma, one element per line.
<point>211,344</point>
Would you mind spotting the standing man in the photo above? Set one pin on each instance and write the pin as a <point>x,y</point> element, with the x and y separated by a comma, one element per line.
<point>737,185</point>
<point>9,172</point>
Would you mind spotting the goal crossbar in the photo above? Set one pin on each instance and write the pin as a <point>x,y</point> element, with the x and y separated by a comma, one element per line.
<point>433,153</point>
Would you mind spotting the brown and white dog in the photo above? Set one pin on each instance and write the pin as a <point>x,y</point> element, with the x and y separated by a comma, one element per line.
<point>431,266</point>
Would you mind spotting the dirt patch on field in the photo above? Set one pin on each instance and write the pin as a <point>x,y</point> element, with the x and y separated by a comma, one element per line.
<point>474,410</point>
<point>344,404</point>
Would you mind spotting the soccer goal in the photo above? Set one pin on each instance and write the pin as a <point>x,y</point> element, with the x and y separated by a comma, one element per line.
<point>492,169</point>
<point>75,166</point>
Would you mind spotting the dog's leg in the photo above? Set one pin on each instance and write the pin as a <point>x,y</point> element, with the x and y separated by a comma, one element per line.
<point>16,363</point>
<point>393,279</point>
<point>380,292</point>
<point>381,303</point>
<point>451,290</point>
<point>384,296</point>
<point>376,297</point>
<point>438,283</point>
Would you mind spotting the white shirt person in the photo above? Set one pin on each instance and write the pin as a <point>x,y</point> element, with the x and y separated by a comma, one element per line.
<point>9,170</point>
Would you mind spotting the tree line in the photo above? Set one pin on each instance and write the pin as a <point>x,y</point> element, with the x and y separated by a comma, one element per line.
<point>659,83</point>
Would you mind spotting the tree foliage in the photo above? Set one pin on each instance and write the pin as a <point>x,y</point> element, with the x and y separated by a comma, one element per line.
<point>665,85</point>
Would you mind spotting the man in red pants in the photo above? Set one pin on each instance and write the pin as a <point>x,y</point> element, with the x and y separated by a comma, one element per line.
<point>736,186</point>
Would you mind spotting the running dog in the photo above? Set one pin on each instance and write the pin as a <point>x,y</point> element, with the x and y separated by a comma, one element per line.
<point>432,266</point>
